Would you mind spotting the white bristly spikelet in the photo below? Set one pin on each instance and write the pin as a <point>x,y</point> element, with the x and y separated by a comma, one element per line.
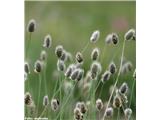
<point>60,65</point>
<point>26,68</point>
<point>109,112</point>
<point>43,55</point>
<point>99,104</point>
<point>59,51</point>
<point>112,67</point>
<point>79,57</point>
<point>82,107</point>
<point>69,71</point>
<point>108,39</point>
<point>64,56</point>
<point>77,114</point>
<point>117,102</point>
<point>115,38</point>
<point>95,36</point>
<point>31,25</point>
<point>38,66</point>
<point>28,99</point>
<point>80,75</point>
<point>106,76</point>
<point>95,54</point>
<point>47,41</point>
<point>75,74</point>
<point>130,35</point>
<point>54,104</point>
<point>95,69</point>
<point>45,100</point>
<point>123,88</point>
<point>128,113</point>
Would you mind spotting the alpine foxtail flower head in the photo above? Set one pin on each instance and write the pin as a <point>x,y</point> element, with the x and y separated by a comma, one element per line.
<point>54,104</point>
<point>117,102</point>
<point>112,68</point>
<point>26,68</point>
<point>106,76</point>
<point>99,104</point>
<point>59,51</point>
<point>123,88</point>
<point>60,65</point>
<point>115,38</point>
<point>95,54</point>
<point>79,57</point>
<point>38,66</point>
<point>28,99</point>
<point>47,41</point>
<point>75,74</point>
<point>31,25</point>
<point>95,36</point>
<point>128,113</point>
<point>43,55</point>
<point>95,69</point>
<point>109,112</point>
<point>130,35</point>
<point>45,100</point>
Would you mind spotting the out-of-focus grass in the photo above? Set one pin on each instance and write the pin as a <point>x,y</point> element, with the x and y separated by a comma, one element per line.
<point>71,24</point>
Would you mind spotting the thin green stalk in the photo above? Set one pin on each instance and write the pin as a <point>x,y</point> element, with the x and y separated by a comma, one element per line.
<point>28,45</point>
<point>62,108</point>
<point>132,90</point>
<point>122,55</point>
<point>44,110</point>
<point>60,96</point>
<point>44,74</point>
<point>39,91</point>
<point>118,114</point>
<point>84,48</point>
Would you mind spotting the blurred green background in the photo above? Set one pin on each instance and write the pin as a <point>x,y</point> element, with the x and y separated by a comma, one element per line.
<point>71,24</point>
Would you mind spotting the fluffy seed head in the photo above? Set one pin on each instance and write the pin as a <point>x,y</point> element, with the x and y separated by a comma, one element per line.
<point>75,74</point>
<point>115,38</point>
<point>112,68</point>
<point>59,51</point>
<point>77,114</point>
<point>123,88</point>
<point>54,104</point>
<point>31,25</point>
<point>95,36</point>
<point>130,35</point>
<point>128,113</point>
<point>95,54</point>
<point>80,75</point>
<point>28,99</point>
<point>79,57</point>
<point>38,66</point>
<point>26,68</point>
<point>108,39</point>
<point>95,69</point>
<point>129,66</point>
<point>117,103</point>
<point>64,56</point>
<point>82,107</point>
<point>45,100</point>
<point>47,41</point>
<point>60,65</point>
<point>43,55</point>
<point>109,112</point>
<point>69,70</point>
<point>99,104</point>
<point>106,76</point>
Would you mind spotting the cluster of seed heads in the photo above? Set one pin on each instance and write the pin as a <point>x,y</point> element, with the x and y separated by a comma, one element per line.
<point>112,38</point>
<point>130,35</point>
<point>76,73</point>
